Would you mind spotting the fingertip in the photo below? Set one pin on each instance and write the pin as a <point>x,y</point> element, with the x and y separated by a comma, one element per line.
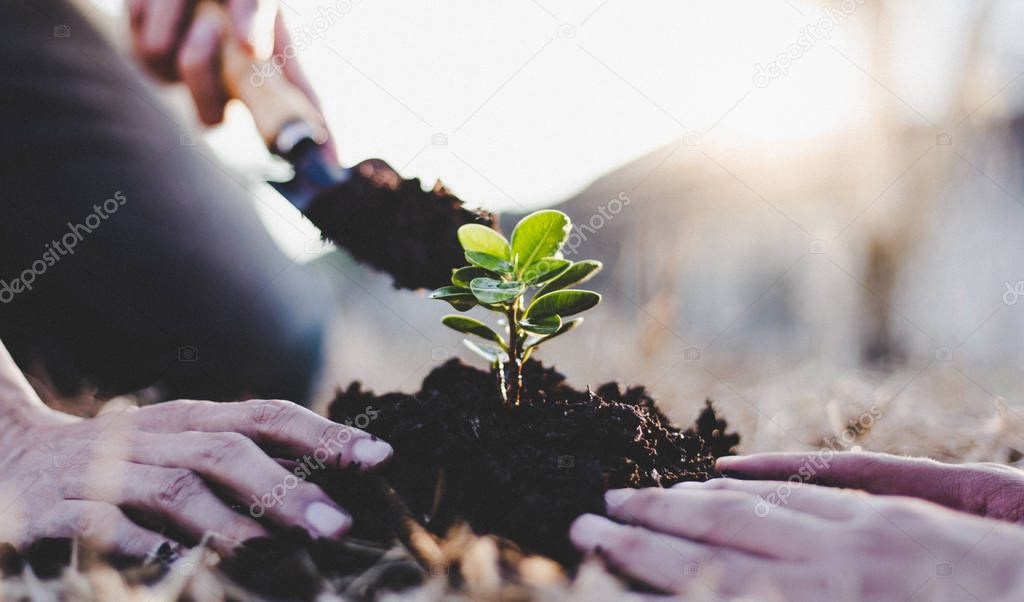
<point>589,531</point>
<point>615,498</point>
<point>199,45</point>
<point>371,452</point>
<point>159,26</point>
<point>690,485</point>
<point>153,47</point>
<point>198,66</point>
<point>327,520</point>
<point>732,463</point>
<point>242,30</point>
<point>253,25</point>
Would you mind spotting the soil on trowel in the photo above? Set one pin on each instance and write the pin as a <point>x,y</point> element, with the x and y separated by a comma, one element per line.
<point>393,225</point>
<point>525,472</point>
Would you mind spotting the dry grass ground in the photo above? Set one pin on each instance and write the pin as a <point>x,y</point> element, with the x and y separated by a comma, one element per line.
<point>744,276</point>
<point>933,410</point>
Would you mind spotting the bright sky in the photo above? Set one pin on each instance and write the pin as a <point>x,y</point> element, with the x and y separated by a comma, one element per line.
<point>537,98</point>
<point>517,103</point>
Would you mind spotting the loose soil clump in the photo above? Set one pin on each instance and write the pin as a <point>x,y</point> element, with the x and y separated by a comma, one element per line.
<point>522,473</point>
<point>393,225</point>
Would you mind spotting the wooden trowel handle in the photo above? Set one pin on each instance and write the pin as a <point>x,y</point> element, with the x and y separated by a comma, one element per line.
<point>277,106</point>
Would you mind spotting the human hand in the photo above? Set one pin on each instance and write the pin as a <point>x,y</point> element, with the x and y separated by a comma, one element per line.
<point>178,43</point>
<point>989,490</point>
<point>117,479</point>
<point>824,544</point>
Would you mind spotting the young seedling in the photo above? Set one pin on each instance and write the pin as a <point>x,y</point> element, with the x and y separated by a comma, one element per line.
<point>527,281</point>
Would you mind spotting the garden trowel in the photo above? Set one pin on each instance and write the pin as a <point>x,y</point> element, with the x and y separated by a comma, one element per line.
<point>386,221</point>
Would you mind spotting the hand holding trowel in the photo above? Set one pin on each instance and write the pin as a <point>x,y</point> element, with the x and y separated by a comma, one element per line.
<point>381,219</point>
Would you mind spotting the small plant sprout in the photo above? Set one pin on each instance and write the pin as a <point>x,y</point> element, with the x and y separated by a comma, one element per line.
<point>527,281</point>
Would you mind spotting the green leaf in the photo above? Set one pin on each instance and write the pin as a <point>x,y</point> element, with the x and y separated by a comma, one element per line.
<point>489,262</point>
<point>471,326</point>
<point>490,291</point>
<point>460,298</point>
<point>561,303</point>
<point>491,353</point>
<point>548,325</point>
<point>462,302</point>
<point>577,273</point>
<point>481,239</point>
<point>545,269</point>
<point>463,276</point>
<point>538,235</point>
<point>566,327</point>
<point>448,291</point>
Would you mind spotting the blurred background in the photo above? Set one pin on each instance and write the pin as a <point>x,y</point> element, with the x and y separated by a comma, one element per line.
<point>808,211</point>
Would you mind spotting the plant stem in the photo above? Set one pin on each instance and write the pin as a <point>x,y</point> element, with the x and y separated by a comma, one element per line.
<point>515,367</point>
<point>502,377</point>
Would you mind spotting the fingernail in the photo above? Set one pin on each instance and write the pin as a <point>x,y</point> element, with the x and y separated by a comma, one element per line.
<point>327,520</point>
<point>206,28</point>
<point>203,37</point>
<point>617,497</point>
<point>725,461</point>
<point>689,485</point>
<point>589,531</point>
<point>371,453</point>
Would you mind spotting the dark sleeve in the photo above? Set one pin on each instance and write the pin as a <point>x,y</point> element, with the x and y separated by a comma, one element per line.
<point>179,283</point>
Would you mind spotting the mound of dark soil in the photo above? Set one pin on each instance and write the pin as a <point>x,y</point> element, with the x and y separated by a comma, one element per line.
<point>395,226</point>
<point>526,472</point>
